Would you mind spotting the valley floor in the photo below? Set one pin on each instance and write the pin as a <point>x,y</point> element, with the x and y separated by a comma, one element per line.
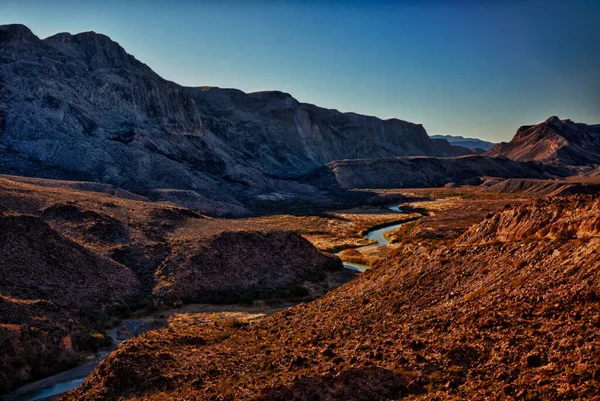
<point>437,316</point>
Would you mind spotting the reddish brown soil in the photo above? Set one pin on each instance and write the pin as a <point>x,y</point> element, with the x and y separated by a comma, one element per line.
<point>489,316</point>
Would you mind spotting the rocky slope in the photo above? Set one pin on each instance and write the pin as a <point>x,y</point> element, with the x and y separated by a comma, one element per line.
<point>51,291</point>
<point>80,107</point>
<point>489,315</point>
<point>417,172</point>
<point>553,141</point>
<point>471,143</point>
<point>73,260</point>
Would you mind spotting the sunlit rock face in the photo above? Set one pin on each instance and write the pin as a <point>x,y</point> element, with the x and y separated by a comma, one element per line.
<point>553,141</point>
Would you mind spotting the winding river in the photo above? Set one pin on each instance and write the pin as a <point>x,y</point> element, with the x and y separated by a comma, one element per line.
<point>376,235</point>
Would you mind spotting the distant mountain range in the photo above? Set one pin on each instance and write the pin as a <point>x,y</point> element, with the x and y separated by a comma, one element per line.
<point>79,107</point>
<point>471,143</point>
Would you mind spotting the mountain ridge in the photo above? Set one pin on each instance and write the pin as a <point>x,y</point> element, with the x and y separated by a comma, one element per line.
<point>80,107</point>
<point>553,141</point>
<point>472,143</point>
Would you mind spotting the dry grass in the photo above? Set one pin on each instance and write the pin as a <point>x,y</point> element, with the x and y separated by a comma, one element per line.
<point>354,256</point>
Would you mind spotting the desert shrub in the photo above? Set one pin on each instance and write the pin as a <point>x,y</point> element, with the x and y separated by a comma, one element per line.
<point>354,256</point>
<point>234,323</point>
<point>478,293</point>
<point>100,340</point>
<point>519,263</point>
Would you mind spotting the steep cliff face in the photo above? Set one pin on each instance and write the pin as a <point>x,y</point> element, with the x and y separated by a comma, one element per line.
<point>289,138</point>
<point>80,107</point>
<point>553,141</point>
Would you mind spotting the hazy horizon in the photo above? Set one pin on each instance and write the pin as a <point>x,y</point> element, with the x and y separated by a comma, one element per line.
<point>468,69</point>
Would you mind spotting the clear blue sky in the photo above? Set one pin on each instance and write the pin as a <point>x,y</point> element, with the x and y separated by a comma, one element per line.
<point>476,68</point>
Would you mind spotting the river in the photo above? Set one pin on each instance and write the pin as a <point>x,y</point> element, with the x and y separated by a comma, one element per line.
<point>376,235</point>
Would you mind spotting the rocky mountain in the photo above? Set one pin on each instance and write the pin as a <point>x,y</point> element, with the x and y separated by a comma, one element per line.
<point>471,143</point>
<point>80,107</point>
<point>289,138</point>
<point>553,141</point>
<point>508,310</point>
<point>75,260</point>
<point>419,172</point>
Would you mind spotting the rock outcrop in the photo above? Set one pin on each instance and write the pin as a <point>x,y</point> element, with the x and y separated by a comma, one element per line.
<point>560,218</point>
<point>553,141</point>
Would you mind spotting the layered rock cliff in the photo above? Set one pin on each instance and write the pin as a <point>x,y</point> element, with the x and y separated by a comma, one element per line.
<point>289,138</point>
<point>418,172</point>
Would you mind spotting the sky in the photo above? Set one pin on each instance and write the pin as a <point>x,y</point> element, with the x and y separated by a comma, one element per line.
<point>471,68</point>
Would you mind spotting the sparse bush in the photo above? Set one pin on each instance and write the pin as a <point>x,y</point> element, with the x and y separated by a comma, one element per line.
<point>234,323</point>
<point>98,340</point>
<point>519,263</point>
<point>473,295</point>
<point>354,256</point>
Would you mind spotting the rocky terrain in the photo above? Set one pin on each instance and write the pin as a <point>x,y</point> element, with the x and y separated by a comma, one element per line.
<point>471,143</point>
<point>420,172</point>
<point>553,141</point>
<point>114,186</point>
<point>79,107</point>
<point>75,261</point>
<point>508,310</point>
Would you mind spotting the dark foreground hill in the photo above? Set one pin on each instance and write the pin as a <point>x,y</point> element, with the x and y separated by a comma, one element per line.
<point>80,107</point>
<point>509,310</point>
